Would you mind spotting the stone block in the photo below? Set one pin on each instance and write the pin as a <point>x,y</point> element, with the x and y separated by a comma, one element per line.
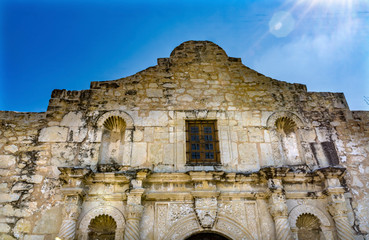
<point>149,134</point>
<point>11,148</point>
<point>248,153</point>
<point>49,222</point>
<point>34,237</point>
<point>53,134</point>
<point>169,154</point>
<point>255,134</point>
<point>77,134</point>
<point>155,153</point>
<point>72,119</point>
<point>154,93</point>
<point>155,118</point>
<point>139,154</point>
<point>4,228</point>
<point>137,136</point>
<point>6,237</point>
<point>7,161</point>
<point>185,98</point>
<point>266,154</point>
<point>9,197</point>
<point>22,226</point>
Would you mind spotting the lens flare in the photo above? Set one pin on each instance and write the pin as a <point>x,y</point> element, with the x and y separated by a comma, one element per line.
<point>281,24</point>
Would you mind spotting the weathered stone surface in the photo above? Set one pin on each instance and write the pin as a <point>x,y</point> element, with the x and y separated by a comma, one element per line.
<point>274,139</point>
<point>7,161</point>
<point>53,134</point>
<point>49,222</point>
<point>21,227</point>
<point>4,228</point>
<point>11,148</point>
<point>72,119</point>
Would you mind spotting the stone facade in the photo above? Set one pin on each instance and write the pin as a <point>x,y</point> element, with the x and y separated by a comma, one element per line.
<point>115,157</point>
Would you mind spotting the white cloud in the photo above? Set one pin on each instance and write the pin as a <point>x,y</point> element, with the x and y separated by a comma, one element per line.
<point>324,61</point>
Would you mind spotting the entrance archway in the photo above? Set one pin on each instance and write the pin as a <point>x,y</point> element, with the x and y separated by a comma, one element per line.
<point>206,236</point>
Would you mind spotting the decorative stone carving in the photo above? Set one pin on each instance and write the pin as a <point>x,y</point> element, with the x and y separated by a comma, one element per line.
<point>134,209</point>
<point>161,211</point>
<point>72,209</point>
<point>115,213</point>
<point>232,229</point>
<point>337,208</point>
<point>178,211</point>
<point>301,209</point>
<point>278,209</point>
<point>134,213</point>
<point>235,210</point>
<point>206,211</point>
<point>251,216</point>
<point>336,201</point>
<point>183,228</point>
<point>126,117</point>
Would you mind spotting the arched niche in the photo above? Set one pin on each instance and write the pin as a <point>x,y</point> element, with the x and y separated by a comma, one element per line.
<point>125,116</point>
<point>285,128</point>
<point>325,223</point>
<point>116,138</point>
<point>309,227</point>
<point>102,227</point>
<point>116,214</point>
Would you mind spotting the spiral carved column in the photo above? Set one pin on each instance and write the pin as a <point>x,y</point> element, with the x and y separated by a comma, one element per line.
<point>72,209</point>
<point>336,201</point>
<point>278,209</point>
<point>337,208</point>
<point>134,208</point>
<point>134,213</point>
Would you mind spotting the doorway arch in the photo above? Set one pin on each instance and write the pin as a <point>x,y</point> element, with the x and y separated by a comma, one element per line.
<point>207,236</point>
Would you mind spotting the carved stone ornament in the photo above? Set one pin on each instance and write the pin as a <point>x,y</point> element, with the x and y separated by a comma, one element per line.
<point>206,210</point>
<point>134,211</point>
<point>278,207</point>
<point>72,208</point>
<point>337,209</point>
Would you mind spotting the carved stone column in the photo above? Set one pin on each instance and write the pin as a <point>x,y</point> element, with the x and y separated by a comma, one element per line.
<point>278,209</point>
<point>134,213</point>
<point>336,201</point>
<point>73,191</point>
<point>337,208</point>
<point>277,201</point>
<point>72,209</point>
<point>134,207</point>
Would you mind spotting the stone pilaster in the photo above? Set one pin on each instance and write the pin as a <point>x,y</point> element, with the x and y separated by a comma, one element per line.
<point>337,202</point>
<point>277,201</point>
<point>73,191</point>
<point>337,208</point>
<point>278,209</point>
<point>72,209</point>
<point>134,213</point>
<point>134,207</point>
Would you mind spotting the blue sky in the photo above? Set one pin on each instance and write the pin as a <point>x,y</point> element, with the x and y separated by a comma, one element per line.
<point>66,44</point>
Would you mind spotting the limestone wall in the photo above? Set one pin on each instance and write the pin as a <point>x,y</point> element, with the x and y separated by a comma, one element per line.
<point>198,81</point>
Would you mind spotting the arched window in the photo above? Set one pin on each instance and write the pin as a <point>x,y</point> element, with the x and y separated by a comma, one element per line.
<point>308,227</point>
<point>112,142</point>
<point>102,227</point>
<point>286,129</point>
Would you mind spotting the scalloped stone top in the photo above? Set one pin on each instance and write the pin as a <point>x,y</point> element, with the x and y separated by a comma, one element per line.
<point>198,51</point>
